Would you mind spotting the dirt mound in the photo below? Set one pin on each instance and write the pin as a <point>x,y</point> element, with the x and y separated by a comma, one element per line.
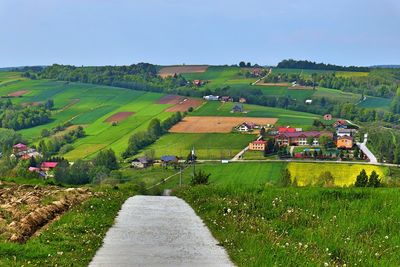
<point>172,70</point>
<point>120,116</point>
<point>24,209</point>
<point>19,93</point>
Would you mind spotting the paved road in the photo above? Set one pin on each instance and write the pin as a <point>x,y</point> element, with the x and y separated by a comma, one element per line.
<point>159,231</point>
<point>366,151</point>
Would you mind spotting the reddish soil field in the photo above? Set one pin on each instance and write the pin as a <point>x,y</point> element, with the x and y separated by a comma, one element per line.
<point>170,99</point>
<point>19,93</point>
<point>205,124</point>
<point>120,116</point>
<point>299,87</point>
<point>184,104</point>
<point>171,70</point>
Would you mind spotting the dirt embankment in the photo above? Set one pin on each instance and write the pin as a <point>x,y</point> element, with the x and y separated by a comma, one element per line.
<point>25,209</point>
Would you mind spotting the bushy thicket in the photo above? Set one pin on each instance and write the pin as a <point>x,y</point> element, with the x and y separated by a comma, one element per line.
<point>54,144</point>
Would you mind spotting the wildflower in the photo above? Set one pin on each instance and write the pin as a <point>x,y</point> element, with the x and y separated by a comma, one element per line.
<point>287,244</point>
<point>386,237</point>
<point>229,210</point>
<point>377,254</point>
<point>326,264</point>
<point>300,244</point>
<point>305,246</point>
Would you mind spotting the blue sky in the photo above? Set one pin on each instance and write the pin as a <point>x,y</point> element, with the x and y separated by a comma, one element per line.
<point>116,32</point>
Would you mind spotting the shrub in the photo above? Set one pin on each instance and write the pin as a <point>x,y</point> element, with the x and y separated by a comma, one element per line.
<point>200,177</point>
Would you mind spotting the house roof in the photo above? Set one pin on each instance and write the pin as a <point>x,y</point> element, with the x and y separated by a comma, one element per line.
<point>345,130</point>
<point>49,164</point>
<point>20,145</point>
<point>345,137</point>
<point>33,169</point>
<point>258,142</point>
<point>305,134</point>
<point>143,160</point>
<point>286,130</point>
<point>168,158</point>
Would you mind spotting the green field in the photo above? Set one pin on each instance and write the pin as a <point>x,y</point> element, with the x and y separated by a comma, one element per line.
<point>376,103</point>
<point>286,117</point>
<point>90,105</point>
<point>207,146</point>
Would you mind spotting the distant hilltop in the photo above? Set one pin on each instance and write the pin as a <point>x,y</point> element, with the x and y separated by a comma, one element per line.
<point>386,66</point>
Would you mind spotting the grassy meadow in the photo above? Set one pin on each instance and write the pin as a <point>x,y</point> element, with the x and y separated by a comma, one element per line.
<point>207,145</point>
<point>267,226</point>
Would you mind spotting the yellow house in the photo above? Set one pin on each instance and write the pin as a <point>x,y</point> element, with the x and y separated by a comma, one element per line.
<point>258,145</point>
<point>344,142</point>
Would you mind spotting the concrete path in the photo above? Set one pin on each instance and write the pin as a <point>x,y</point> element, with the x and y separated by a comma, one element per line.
<point>159,231</point>
<point>366,151</point>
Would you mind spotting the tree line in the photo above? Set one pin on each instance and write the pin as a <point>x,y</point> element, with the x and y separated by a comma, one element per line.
<point>155,129</point>
<point>305,64</point>
<point>19,117</point>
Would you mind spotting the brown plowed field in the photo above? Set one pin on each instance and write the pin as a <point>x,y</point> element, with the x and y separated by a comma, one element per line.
<point>205,124</point>
<point>184,104</point>
<point>171,70</point>
<point>120,116</point>
<point>170,99</point>
<point>19,93</point>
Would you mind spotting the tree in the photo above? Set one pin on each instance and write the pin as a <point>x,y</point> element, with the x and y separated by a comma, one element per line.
<point>106,158</point>
<point>242,64</point>
<point>45,133</point>
<point>362,179</point>
<point>310,140</point>
<point>200,177</point>
<point>374,180</point>
<point>285,179</point>
<point>155,128</point>
<point>325,141</point>
<point>326,179</point>
<point>262,132</point>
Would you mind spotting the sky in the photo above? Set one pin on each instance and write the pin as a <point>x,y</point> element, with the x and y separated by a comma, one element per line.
<point>123,32</point>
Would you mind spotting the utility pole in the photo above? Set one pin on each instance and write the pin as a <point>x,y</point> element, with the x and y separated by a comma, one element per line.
<point>194,162</point>
<point>180,175</point>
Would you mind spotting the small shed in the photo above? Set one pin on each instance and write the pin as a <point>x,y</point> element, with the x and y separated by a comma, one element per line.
<point>141,163</point>
<point>238,108</point>
<point>167,160</point>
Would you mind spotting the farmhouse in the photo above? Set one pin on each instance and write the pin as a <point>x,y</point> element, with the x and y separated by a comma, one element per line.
<point>345,132</point>
<point>48,165</point>
<point>286,130</point>
<point>141,163</point>
<point>211,97</point>
<point>238,108</point>
<point>308,101</point>
<point>258,145</point>
<point>197,82</point>
<point>300,138</point>
<point>226,99</point>
<point>344,142</point>
<point>242,100</point>
<point>247,127</point>
<point>166,160</point>
<point>328,117</point>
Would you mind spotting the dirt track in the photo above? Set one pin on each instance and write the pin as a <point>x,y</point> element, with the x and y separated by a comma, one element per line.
<point>206,124</point>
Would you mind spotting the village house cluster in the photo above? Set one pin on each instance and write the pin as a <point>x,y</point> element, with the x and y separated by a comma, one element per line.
<point>23,152</point>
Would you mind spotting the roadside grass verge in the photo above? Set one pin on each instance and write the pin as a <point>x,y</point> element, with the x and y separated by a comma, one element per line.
<point>265,226</point>
<point>73,239</point>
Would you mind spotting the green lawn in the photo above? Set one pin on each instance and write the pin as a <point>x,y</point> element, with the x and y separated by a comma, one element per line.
<point>207,145</point>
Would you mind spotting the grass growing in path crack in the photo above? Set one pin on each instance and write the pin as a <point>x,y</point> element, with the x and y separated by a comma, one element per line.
<point>301,226</point>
